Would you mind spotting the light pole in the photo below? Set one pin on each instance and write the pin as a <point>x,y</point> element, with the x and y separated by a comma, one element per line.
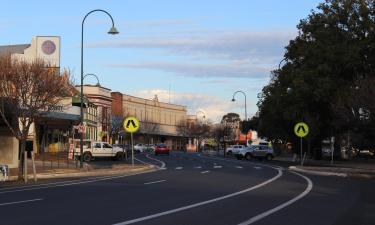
<point>233,100</point>
<point>113,30</point>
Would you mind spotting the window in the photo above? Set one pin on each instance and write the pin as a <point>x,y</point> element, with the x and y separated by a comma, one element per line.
<point>105,145</point>
<point>97,145</point>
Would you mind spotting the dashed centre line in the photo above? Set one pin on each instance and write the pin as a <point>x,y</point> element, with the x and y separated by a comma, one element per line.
<point>179,168</point>
<point>207,171</point>
<point>257,167</point>
<point>155,182</point>
<point>218,167</point>
<point>239,167</point>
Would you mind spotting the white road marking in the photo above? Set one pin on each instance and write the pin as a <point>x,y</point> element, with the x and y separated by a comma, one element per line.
<point>257,167</point>
<point>157,160</point>
<point>207,171</point>
<point>280,207</point>
<point>19,202</point>
<point>239,167</point>
<point>154,182</point>
<point>279,174</point>
<point>198,167</point>
<point>179,168</point>
<point>218,167</point>
<point>69,183</point>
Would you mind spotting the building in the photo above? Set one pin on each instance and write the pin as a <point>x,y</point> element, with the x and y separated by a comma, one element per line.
<point>98,128</point>
<point>160,121</point>
<point>50,132</point>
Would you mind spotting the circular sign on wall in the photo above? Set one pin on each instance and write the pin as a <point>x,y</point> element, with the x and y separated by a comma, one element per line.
<point>48,47</point>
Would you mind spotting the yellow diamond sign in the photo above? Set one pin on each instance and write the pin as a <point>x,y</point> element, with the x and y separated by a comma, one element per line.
<point>301,129</point>
<point>131,124</point>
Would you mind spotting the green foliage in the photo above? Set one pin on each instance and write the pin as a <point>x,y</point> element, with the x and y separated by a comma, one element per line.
<point>335,50</point>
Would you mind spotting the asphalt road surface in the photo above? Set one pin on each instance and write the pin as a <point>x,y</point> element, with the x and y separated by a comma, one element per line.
<point>197,190</point>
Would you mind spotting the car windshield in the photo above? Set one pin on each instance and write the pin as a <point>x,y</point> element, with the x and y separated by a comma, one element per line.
<point>161,146</point>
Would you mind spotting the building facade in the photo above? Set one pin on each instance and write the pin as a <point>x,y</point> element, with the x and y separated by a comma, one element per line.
<point>50,132</point>
<point>159,121</point>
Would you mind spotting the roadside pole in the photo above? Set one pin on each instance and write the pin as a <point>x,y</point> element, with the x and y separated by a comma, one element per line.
<point>132,143</point>
<point>131,125</point>
<point>301,130</point>
<point>301,153</point>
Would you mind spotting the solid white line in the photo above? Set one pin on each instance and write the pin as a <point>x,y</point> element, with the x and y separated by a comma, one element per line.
<point>162,163</point>
<point>280,207</point>
<point>279,174</point>
<point>12,203</point>
<point>69,183</point>
<point>207,171</point>
<point>154,182</point>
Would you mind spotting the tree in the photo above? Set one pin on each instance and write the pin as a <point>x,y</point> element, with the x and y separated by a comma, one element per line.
<point>334,50</point>
<point>28,91</point>
<point>116,126</point>
<point>149,128</point>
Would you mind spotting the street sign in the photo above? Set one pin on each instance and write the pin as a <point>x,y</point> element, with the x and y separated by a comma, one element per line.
<point>131,124</point>
<point>301,129</point>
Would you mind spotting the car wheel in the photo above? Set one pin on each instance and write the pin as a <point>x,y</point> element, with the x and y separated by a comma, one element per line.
<point>248,156</point>
<point>87,157</point>
<point>269,157</point>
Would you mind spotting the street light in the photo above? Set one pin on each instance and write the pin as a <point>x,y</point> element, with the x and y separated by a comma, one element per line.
<point>233,100</point>
<point>113,30</point>
<point>91,74</point>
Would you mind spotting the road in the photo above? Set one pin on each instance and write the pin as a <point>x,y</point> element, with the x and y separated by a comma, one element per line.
<point>194,189</point>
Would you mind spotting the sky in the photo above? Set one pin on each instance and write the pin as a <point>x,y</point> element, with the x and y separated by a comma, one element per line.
<point>195,53</point>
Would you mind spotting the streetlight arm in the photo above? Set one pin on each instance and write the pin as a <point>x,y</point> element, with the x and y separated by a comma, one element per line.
<point>244,94</point>
<point>91,74</point>
<point>98,10</point>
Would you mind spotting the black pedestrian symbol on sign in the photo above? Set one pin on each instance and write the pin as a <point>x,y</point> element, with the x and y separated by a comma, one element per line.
<point>132,122</point>
<point>301,127</point>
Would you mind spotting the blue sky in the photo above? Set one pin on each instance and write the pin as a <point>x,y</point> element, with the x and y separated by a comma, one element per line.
<point>203,50</point>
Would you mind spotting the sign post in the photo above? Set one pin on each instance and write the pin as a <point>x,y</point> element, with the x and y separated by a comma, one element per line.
<point>131,125</point>
<point>301,130</point>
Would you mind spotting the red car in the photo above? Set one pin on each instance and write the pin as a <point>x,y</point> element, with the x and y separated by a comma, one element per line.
<point>161,149</point>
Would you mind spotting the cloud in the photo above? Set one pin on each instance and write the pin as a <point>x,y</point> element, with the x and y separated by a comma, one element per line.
<point>235,45</point>
<point>228,70</point>
<point>213,107</point>
<point>156,23</point>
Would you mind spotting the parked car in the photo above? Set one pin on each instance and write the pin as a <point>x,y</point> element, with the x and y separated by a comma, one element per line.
<point>150,147</point>
<point>138,148</point>
<point>256,151</point>
<point>126,148</point>
<point>367,153</point>
<point>161,149</point>
<point>234,149</point>
<point>96,149</point>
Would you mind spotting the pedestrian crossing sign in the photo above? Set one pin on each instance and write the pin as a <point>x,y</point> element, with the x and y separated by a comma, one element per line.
<point>301,129</point>
<point>131,124</point>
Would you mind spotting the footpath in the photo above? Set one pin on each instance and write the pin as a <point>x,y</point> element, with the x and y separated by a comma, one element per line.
<point>358,167</point>
<point>47,171</point>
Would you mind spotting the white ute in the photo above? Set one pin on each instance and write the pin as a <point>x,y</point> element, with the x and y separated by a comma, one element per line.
<point>96,149</point>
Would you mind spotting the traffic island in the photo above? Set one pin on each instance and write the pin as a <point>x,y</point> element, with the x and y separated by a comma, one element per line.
<point>335,171</point>
<point>119,169</point>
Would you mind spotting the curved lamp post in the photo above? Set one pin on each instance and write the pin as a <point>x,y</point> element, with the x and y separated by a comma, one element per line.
<point>233,100</point>
<point>113,30</point>
<point>284,59</point>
